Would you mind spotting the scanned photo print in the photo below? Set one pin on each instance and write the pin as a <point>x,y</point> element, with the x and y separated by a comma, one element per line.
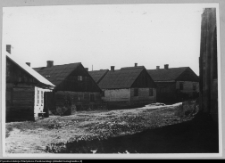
<point>111,79</point>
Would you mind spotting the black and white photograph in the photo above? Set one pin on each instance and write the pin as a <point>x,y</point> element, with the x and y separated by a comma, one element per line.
<point>99,79</point>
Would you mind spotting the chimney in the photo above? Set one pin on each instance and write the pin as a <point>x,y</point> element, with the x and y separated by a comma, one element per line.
<point>157,67</point>
<point>112,68</point>
<point>8,48</point>
<point>135,64</point>
<point>86,69</point>
<point>49,63</point>
<point>28,63</point>
<point>166,66</point>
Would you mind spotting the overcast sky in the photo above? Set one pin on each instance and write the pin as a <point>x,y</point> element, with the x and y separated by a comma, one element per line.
<point>105,35</point>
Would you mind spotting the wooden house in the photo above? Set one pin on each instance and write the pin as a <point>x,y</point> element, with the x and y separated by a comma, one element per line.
<point>208,64</point>
<point>130,86</point>
<point>25,90</point>
<point>76,79</point>
<point>175,84</point>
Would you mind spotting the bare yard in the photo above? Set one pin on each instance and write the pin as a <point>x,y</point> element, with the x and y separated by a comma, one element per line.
<point>46,134</point>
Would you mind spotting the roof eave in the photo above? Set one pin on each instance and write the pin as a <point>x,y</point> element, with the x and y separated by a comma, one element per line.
<point>115,88</point>
<point>165,81</point>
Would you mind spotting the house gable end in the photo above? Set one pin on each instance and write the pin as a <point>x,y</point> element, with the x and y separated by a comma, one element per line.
<point>78,80</point>
<point>22,72</point>
<point>15,74</point>
<point>143,80</point>
<point>188,75</point>
<point>57,74</point>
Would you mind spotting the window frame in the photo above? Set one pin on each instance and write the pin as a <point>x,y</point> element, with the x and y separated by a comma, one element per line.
<point>37,97</point>
<point>150,92</point>
<point>136,92</point>
<point>42,97</point>
<point>80,78</point>
<point>86,97</point>
<point>181,85</point>
<point>194,87</point>
<point>92,97</point>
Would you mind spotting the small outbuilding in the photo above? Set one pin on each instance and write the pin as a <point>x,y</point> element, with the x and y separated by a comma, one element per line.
<point>130,86</point>
<point>175,84</point>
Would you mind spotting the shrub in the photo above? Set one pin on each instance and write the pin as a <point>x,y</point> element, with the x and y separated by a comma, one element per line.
<point>62,110</point>
<point>65,103</point>
<point>188,108</point>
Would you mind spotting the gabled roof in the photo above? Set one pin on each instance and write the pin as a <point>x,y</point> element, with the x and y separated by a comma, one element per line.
<point>97,75</point>
<point>170,74</point>
<point>56,74</point>
<point>123,78</point>
<point>29,70</point>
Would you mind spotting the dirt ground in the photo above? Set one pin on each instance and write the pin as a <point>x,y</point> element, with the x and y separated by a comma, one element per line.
<point>46,134</point>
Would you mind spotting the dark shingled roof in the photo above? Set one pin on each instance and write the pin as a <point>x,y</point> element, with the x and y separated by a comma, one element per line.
<point>29,70</point>
<point>56,74</point>
<point>98,74</point>
<point>166,74</point>
<point>123,78</point>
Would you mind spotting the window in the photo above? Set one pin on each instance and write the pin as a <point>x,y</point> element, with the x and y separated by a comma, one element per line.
<point>150,92</point>
<point>97,97</point>
<point>80,97</point>
<point>79,78</point>
<point>181,86</point>
<point>86,96</point>
<point>91,97</point>
<point>37,97</point>
<point>194,87</point>
<point>135,91</point>
<point>42,97</point>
